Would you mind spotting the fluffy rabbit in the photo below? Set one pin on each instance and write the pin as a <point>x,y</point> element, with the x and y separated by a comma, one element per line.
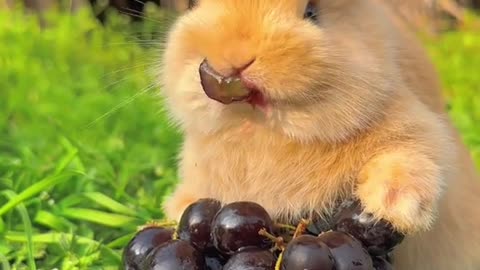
<point>340,100</point>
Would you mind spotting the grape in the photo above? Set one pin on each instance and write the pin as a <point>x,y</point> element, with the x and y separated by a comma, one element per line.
<point>378,237</point>
<point>380,263</point>
<point>251,259</point>
<point>348,252</point>
<point>196,220</point>
<point>175,254</point>
<point>214,260</point>
<point>307,252</point>
<point>212,237</point>
<point>142,243</point>
<point>219,88</point>
<point>236,226</point>
<point>213,263</point>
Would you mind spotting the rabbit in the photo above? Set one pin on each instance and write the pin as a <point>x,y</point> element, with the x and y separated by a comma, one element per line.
<point>340,100</point>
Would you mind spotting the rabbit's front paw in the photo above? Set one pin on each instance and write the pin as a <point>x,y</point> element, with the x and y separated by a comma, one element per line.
<point>401,188</point>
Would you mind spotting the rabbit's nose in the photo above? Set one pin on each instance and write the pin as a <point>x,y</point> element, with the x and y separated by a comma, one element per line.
<point>225,89</point>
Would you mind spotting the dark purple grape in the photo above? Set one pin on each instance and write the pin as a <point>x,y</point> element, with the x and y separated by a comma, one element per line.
<point>142,243</point>
<point>307,252</point>
<point>213,263</point>
<point>251,259</point>
<point>380,263</point>
<point>195,223</point>
<point>222,89</point>
<point>175,254</point>
<point>378,237</point>
<point>214,260</point>
<point>236,226</point>
<point>348,252</point>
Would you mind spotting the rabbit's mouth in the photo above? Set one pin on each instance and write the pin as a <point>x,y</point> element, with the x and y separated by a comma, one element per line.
<point>228,90</point>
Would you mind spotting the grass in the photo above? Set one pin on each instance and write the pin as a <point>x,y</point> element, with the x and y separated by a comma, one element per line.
<point>75,182</point>
<point>456,57</point>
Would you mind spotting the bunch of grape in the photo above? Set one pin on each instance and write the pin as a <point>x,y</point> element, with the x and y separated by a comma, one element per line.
<point>242,236</point>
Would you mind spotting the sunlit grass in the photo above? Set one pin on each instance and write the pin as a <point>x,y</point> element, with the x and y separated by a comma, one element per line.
<point>78,172</point>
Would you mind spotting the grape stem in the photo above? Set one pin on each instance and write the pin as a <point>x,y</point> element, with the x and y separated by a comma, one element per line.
<point>301,228</point>
<point>285,226</point>
<point>278,264</point>
<point>279,243</point>
<point>153,223</point>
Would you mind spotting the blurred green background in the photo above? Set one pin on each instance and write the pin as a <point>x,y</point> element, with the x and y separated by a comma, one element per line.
<point>86,152</point>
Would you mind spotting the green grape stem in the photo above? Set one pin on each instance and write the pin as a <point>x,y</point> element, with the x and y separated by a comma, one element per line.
<point>279,243</point>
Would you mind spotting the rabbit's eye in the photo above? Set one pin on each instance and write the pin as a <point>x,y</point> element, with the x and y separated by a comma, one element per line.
<point>311,11</point>
<point>192,3</point>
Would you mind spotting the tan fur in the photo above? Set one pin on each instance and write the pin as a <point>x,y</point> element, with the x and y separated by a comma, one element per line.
<point>356,108</point>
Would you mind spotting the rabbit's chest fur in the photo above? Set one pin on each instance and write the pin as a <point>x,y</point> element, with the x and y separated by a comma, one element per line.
<point>285,177</point>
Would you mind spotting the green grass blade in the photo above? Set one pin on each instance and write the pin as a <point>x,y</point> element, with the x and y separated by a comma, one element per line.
<point>34,189</point>
<point>71,200</point>
<point>52,221</point>
<point>47,238</point>
<point>122,241</point>
<point>2,226</point>
<point>4,262</point>
<point>6,181</point>
<point>110,203</point>
<point>65,161</point>
<point>28,228</point>
<point>55,238</point>
<point>99,217</point>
